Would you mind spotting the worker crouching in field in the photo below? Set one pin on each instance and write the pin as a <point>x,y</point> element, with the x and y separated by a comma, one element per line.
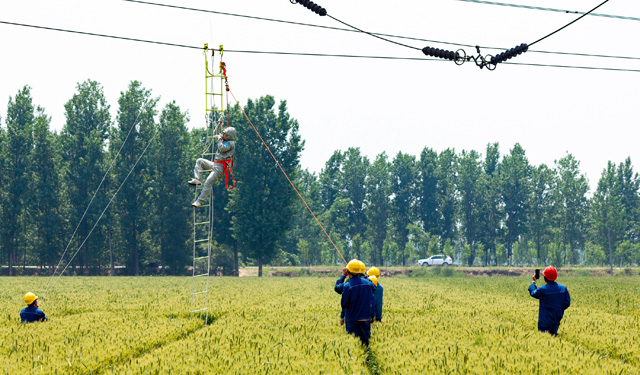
<point>374,276</point>
<point>554,299</point>
<point>221,165</point>
<point>357,302</point>
<point>31,313</point>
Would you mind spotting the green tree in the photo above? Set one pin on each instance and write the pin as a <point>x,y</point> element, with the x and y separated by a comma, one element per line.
<point>447,195</point>
<point>490,210</point>
<point>514,176</point>
<point>19,142</point>
<point>331,180</point>
<point>354,177</point>
<point>262,201</point>
<point>378,205</point>
<point>469,172</point>
<point>47,211</point>
<point>594,254</point>
<point>304,226</point>
<point>83,138</point>
<point>134,129</point>
<point>427,202</point>
<point>540,209</point>
<point>571,205</point>
<point>171,213</point>
<point>607,212</point>
<point>627,187</point>
<point>403,187</point>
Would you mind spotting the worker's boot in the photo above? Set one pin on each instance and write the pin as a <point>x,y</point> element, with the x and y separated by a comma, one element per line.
<point>194,181</point>
<point>196,204</point>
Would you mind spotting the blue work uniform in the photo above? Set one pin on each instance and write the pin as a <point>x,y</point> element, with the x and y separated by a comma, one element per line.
<point>358,302</point>
<point>554,299</point>
<point>378,307</point>
<point>32,314</point>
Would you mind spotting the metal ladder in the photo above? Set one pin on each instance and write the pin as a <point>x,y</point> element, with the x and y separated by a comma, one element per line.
<point>203,216</point>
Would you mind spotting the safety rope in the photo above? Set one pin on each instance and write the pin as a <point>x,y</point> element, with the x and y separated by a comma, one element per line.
<point>288,179</point>
<point>135,122</point>
<point>105,210</point>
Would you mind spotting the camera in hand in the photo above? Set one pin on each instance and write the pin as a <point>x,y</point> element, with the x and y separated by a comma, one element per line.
<point>537,273</point>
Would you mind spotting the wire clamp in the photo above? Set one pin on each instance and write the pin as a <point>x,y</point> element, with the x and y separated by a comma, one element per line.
<point>482,61</point>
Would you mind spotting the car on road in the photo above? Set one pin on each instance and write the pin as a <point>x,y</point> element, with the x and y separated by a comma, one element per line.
<point>436,260</point>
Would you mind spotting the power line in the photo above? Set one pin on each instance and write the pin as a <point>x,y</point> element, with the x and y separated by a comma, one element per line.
<point>287,53</point>
<point>570,23</point>
<point>354,30</point>
<point>550,9</point>
<point>373,35</point>
<point>100,35</point>
<point>574,67</point>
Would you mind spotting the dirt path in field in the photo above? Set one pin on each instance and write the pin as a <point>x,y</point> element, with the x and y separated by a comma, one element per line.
<point>248,272</point>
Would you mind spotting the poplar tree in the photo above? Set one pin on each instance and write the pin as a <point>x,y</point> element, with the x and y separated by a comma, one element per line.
<point>170,196</point>
<point>19,141</point>
<point>490,211</point>
<point>403,187</point>
<point>427,202</point>
<point>355,173</point>
<point>83,157</point>
<point>514,176</point>
<point>262,202</point>
<point>447,196</point>
<point>135,125</point>
<point>607,213</point>
<point>379,205</point>
<point>571,205</point>
<point>469,172</point>
<point>47,207</point>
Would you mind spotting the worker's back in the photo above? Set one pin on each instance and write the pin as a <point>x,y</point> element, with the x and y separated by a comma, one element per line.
<point>31,314</point>
<point>357,299</point>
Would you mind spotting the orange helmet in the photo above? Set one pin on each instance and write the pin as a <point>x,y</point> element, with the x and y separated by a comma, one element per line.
<point>550,273</point>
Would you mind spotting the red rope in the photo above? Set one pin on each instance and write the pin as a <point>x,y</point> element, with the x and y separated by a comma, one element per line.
<point>288,179</point>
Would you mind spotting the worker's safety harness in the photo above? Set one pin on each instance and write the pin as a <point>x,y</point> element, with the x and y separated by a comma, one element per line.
<point>228,170</point>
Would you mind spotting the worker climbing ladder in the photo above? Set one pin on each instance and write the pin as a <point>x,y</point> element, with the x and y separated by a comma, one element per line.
<point>203,216</point>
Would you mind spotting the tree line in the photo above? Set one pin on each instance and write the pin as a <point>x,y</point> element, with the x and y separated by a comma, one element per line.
<point>480,209</point>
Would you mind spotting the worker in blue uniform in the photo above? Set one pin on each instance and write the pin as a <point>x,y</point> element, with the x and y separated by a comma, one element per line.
<point>32,313</point>
<point>554,299</point>
<point>358,302</point>
<point>374,277</point>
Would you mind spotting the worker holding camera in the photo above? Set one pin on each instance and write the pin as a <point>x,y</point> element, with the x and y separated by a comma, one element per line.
<point>554,299</point>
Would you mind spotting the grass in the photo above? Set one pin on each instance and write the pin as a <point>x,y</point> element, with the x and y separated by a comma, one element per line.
<point>437,322</point>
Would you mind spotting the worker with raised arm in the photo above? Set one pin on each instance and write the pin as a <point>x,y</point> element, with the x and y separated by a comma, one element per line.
<point>31,313</point>
<point>222,165</point>
<point>357,302</point>
<point>554,299</point>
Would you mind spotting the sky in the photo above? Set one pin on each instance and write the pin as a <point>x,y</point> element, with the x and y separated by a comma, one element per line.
<point>378,105</point>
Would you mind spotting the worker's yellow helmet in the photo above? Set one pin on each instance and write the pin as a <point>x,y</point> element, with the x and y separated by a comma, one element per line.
<point>355,266</point>
<point>29,298</point>
<point>374,280</point>
<point>374,271</point>
<point>363,269</point>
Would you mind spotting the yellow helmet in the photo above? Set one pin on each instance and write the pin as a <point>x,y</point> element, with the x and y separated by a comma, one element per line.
<point>374,280</point>
<point>374,271</point>
<point>29,298</point>
<point>363,269</point>
<point>355,266</point>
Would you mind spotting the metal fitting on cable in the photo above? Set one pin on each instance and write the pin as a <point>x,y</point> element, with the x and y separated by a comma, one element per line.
<point>312,6</point>
<point>508,54</point>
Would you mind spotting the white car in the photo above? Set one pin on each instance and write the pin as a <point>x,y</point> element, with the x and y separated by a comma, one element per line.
<point>436,260</point>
